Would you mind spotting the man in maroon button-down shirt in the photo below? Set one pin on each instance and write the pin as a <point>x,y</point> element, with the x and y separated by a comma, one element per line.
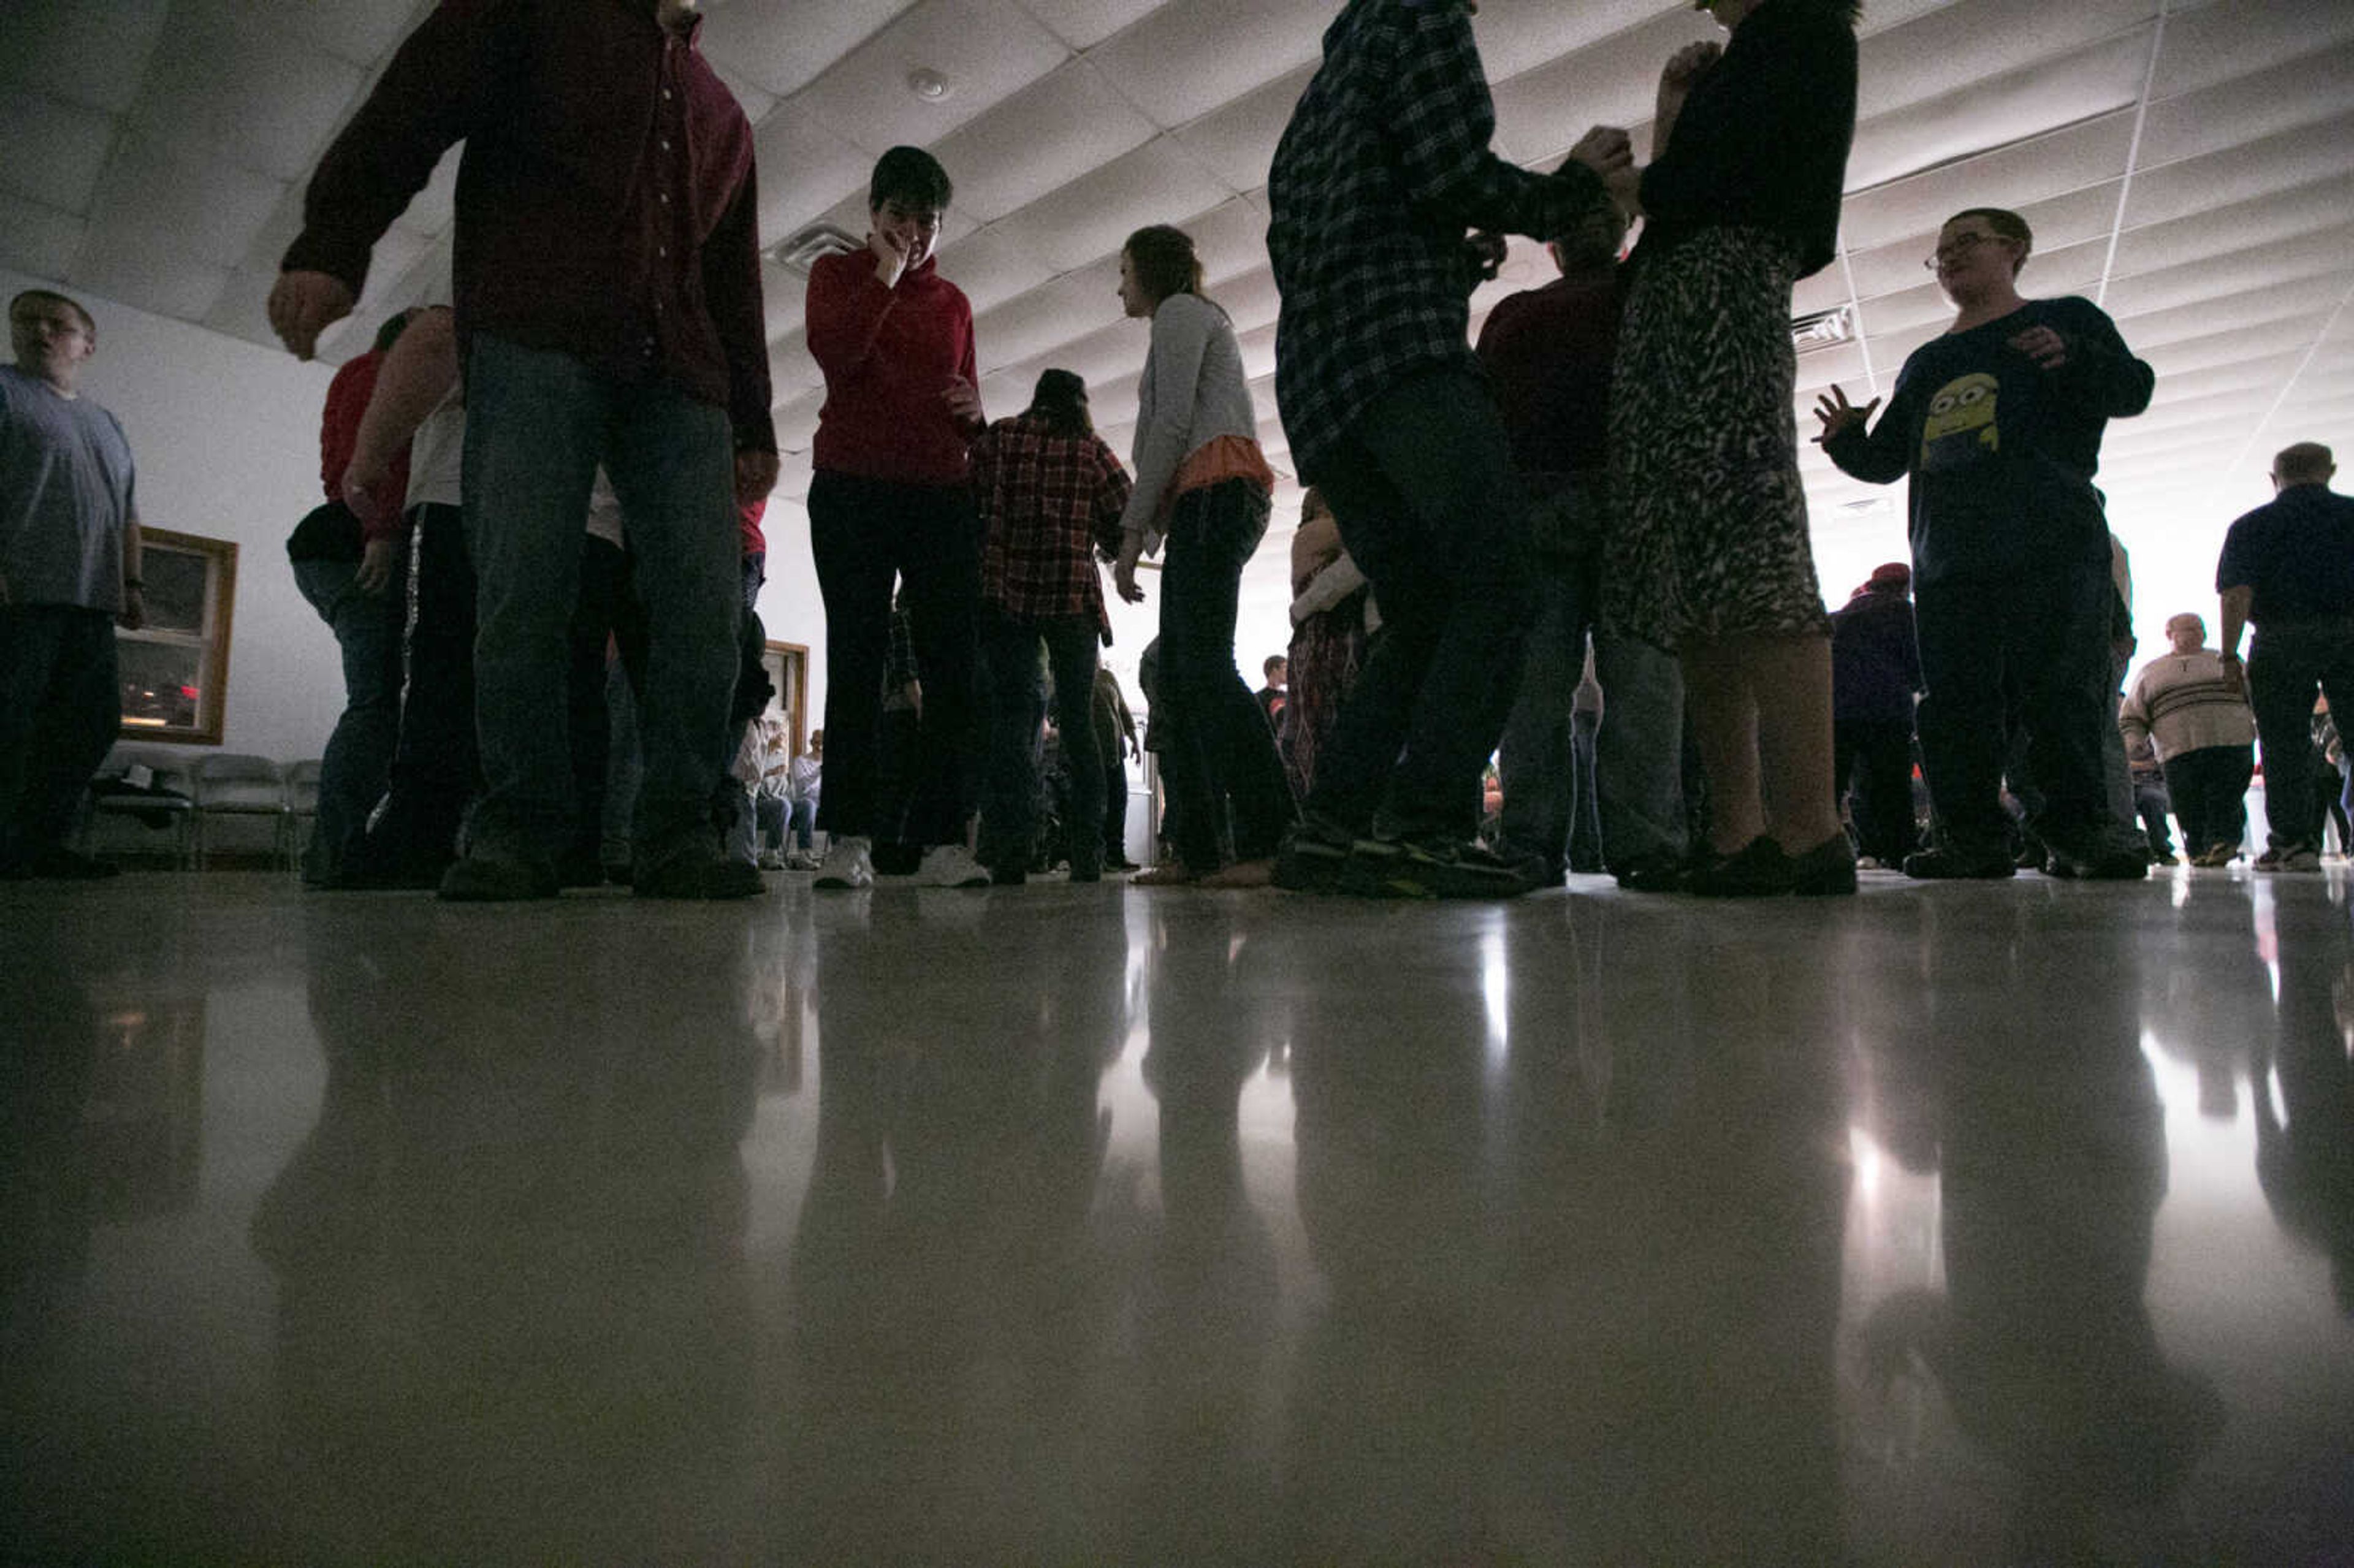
<point>608,299</point>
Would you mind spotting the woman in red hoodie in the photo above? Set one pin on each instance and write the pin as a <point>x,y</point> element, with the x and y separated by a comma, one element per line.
<point>891,499</point>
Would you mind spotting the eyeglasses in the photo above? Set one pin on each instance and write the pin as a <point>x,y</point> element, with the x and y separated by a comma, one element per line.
<point>1958,245</point>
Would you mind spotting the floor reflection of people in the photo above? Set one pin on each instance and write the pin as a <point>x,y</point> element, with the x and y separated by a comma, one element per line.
<point>2050,1138</point>
<point>49,1206</point>
<point>1581,1244</point>
<point>512,1321</point>
<point>2305,1143</point>
<point>48,1196</point>
<point>1209,1294</point>
<point>947,1299</point>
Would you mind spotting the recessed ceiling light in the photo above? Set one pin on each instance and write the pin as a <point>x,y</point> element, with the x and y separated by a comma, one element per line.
<point>929,84</point>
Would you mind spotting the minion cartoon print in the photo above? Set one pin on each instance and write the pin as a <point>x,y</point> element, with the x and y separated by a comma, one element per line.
<point>1961,423</point>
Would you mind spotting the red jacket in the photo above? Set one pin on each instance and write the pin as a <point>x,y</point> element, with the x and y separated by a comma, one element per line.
<point>339,432</point>
<point>889,356</point>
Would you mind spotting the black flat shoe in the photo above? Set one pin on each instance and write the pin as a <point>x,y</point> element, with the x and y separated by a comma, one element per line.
<point>1826,871</point>
<point>1758,870</point>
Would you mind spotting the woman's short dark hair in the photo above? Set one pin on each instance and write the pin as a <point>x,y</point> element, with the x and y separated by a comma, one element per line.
<point>1164,261</point>
<point>1061,399</point>
<point>911,176</point>
<point>2006,224</point>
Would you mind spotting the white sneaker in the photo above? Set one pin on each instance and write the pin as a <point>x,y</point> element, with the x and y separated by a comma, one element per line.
<point>847,864</point>
<point>951,865</point>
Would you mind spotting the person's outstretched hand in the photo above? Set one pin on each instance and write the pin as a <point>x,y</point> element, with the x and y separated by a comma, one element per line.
<point>1837,415</point>
<point>304,304</point>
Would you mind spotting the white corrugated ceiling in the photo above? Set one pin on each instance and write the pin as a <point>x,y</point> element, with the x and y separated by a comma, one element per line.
<point>2191,166</point>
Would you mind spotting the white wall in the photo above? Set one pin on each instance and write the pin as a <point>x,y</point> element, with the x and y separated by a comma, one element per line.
<point>226,436</point>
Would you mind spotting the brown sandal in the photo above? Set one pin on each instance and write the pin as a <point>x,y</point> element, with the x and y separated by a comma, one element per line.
<point>1168,873</point>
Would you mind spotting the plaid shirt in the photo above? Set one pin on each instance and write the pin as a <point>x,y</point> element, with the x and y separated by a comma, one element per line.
<point>1384,165</point>
<point>1048,501</point>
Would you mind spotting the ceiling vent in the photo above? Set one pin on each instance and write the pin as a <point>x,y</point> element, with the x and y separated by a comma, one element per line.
<point>798,252</point>
<point>1823,329</point>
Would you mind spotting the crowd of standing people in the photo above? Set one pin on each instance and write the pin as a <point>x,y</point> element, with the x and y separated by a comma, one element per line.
<point>1579,547</point>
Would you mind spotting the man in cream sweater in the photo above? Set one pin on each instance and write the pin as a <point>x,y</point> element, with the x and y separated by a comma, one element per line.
<point>2198,717</point>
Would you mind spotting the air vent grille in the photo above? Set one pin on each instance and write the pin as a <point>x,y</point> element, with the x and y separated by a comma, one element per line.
<point>1823,329</point>
<point>798,252</point>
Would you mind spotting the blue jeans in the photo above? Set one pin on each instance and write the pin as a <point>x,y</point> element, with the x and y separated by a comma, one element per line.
<point>537,425</point>
<point>1017,704</point>
<point>2289,663</point>
<point>1217,746</point>
<point>1636,779</point>
<point>358,764</point>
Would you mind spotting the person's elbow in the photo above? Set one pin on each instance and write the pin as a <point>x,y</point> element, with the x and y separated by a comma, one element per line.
<point>2131,390</point>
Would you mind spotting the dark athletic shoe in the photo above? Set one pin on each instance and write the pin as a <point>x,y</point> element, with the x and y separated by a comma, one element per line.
<point>1311,856</point>
<point>697,873</point>
<point>2095,862</point>
<point>478,879</point>
<point>1439,868</point>
<point>1658,873</point>
<point>1947,863</point>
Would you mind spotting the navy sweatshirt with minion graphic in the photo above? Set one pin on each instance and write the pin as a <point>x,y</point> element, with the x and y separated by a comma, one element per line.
<point>2001,451</point>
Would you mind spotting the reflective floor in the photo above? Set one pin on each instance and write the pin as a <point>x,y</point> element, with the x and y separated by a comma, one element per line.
<point>1963,1225</point>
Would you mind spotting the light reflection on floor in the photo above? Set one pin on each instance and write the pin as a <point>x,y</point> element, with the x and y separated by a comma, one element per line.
<point>1947,1224</point>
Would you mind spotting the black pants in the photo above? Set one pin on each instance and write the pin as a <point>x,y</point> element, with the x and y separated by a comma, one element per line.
<point>2209,787</point>
<point>436,768</point>
<point>1873,757</point>
<point>1017,708</point>
<point>60,709</point>
<point>1217,747</point>
<point>2041,637</point>
<point>2289,663</point>
<point>864,533</point>
<point>1432,511</point>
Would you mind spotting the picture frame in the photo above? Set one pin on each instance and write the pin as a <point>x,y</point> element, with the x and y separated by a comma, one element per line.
<point>175,669</point>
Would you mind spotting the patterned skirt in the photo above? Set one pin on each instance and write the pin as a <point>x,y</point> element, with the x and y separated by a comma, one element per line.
<point>1327,651</point>
<point>1708,530</point>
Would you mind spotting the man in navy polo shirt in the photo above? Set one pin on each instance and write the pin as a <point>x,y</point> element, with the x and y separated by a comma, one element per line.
<point>2287,568</point>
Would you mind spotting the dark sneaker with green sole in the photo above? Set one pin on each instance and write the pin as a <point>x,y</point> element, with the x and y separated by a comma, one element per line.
<point>1438,868</point>
<point>1311,856</point>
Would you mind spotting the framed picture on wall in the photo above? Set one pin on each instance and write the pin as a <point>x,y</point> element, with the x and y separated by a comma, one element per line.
<point>788,664</point>
<point>174,669</point>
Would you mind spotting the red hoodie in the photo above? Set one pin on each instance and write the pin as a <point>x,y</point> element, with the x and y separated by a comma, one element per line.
<point>889,356</point>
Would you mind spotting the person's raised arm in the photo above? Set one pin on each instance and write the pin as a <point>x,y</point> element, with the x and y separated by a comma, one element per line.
<point>1879,456</point>
<point>844,312</point>
<point>1444,119</point>
<point>462,57</point>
